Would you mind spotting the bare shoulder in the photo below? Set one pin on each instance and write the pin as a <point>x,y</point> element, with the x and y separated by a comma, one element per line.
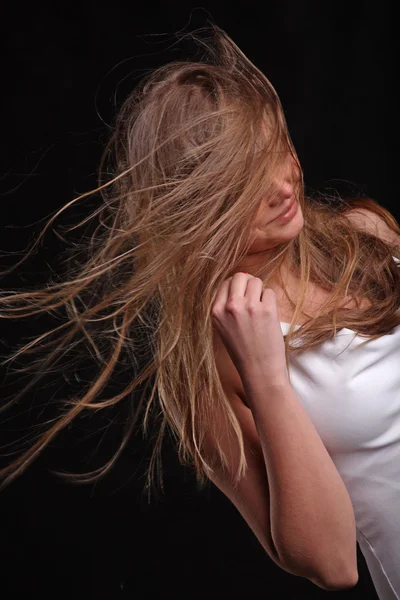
<point>370,222</point>
<point>228,373</point>
<point>251,495</point>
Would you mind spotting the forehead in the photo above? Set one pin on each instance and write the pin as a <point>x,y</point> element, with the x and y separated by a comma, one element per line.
<point>272,137</point>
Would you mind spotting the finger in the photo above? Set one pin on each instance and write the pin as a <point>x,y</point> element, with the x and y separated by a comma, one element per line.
<point>223,292</point>
<point>238,286</point>
<point>254,290</point>
<point>269,299</point>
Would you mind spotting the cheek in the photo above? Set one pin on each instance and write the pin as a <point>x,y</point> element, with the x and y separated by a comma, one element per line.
<point>269,235</point>
<point>262,239</point>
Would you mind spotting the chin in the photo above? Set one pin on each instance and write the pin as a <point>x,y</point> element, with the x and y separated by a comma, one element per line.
<point>290,230</point>
<point>296,224</point>
<point>268,238</point>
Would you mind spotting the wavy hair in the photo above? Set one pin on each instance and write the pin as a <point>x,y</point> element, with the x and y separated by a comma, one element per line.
<point>195,149</point>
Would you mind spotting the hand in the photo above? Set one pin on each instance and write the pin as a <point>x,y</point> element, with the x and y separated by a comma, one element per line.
<point>246,316</point>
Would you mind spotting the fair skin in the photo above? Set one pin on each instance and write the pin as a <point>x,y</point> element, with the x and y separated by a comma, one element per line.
<point>294,501</point>
<point>268,232</point>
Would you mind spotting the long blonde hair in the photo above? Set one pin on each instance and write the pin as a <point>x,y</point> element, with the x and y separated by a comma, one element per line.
<point>190,163</point>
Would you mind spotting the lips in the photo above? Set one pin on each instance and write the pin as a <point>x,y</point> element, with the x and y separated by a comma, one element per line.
<point>285,210</point>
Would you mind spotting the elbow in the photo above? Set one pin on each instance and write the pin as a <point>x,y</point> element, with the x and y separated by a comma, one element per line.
<point>343,581</point>
<point>335,578</point>
<point>342,576</point>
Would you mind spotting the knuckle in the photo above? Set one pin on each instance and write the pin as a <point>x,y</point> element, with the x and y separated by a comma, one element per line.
<point>216,311</point>
<point>233,306</point>
<point>267,310</point>
<point>252,308</point>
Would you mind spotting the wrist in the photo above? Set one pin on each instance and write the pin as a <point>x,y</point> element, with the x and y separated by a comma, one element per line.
<point>255,380</point>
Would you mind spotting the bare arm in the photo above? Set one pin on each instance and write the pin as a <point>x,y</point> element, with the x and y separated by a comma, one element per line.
<point>312,530</point>
<point>311,514</point>
<point>251,496</point>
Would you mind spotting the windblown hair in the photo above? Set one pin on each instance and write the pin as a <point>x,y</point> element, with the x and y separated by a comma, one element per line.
<point>195,149</point>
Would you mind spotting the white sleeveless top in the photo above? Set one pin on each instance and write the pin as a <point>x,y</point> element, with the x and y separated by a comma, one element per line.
<point>352,396</point>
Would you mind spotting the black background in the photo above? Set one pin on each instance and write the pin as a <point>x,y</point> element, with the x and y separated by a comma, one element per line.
<point>66,68</point>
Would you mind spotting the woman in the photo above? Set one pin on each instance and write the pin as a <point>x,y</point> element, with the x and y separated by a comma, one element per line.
<point>206,238</point>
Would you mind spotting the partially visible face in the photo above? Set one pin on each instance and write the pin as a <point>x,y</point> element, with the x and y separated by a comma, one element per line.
<point>269,230</point>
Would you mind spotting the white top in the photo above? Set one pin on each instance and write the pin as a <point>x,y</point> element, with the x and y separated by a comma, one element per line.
<point>352,396</point>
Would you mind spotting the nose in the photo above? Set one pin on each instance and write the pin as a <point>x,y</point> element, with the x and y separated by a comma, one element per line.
<point>284,190</point>
<point>286,186</point>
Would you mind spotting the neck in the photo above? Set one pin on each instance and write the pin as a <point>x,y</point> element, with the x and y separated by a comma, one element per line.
<point>262,264</point>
